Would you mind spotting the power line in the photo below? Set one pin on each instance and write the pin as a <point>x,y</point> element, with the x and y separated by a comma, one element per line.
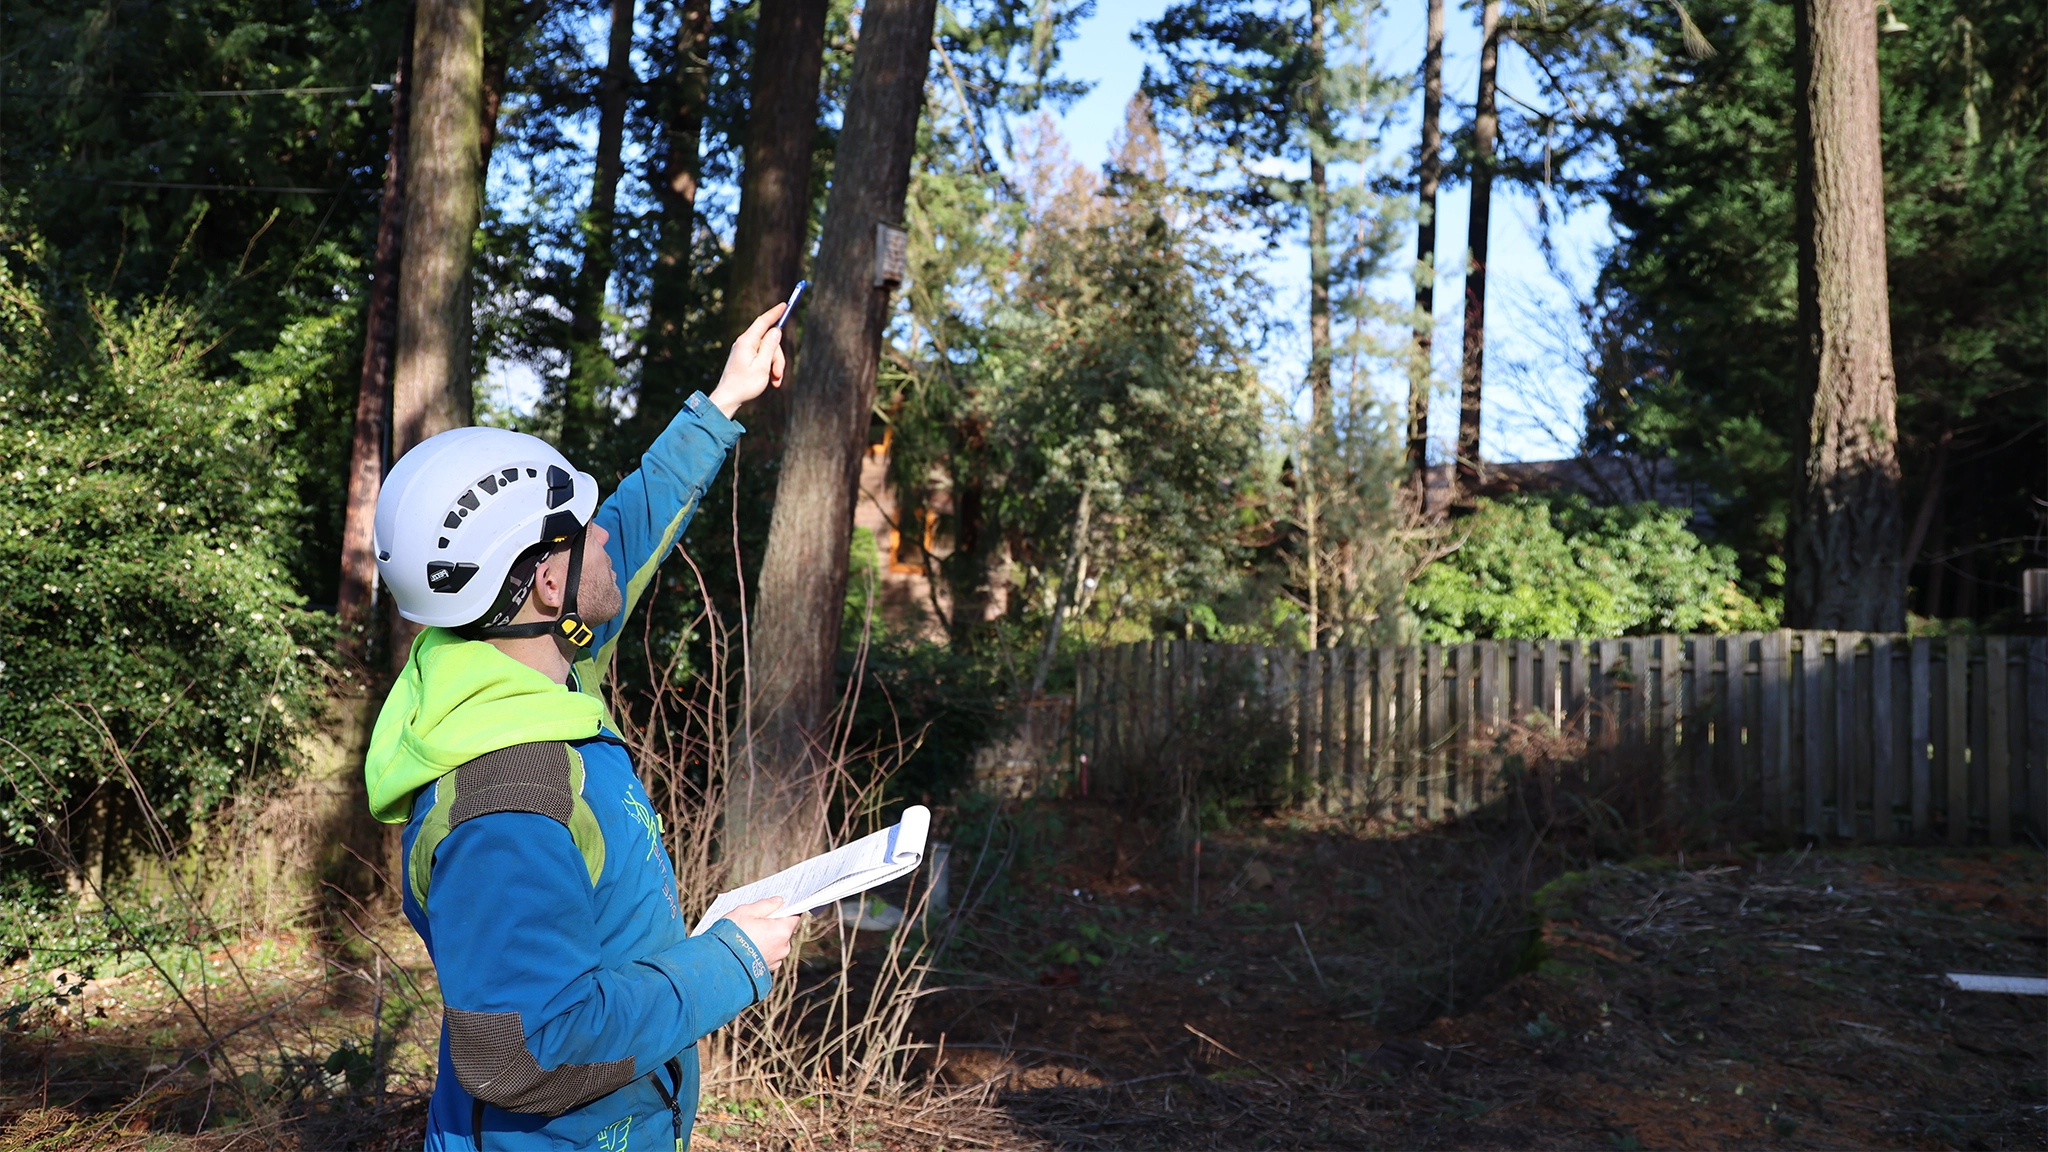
<point>273,91</point>
<point>202,187</point>
<point>366,89</point>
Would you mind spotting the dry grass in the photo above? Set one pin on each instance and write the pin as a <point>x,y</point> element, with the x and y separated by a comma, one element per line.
<point>184,1003</point>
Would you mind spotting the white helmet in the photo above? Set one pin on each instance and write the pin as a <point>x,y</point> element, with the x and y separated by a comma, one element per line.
<point>459,509</point>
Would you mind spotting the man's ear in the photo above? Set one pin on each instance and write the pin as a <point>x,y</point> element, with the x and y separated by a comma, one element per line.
<point>550,582</point>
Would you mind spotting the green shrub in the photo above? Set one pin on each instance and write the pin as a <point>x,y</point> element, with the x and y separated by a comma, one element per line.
<point>1532,567</point>
<point>145,618</point>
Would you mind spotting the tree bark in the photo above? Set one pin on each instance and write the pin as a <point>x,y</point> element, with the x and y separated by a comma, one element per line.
<point>1317,118</point>
<point>443,202</point>
<point>591,368</point>
<point>366,462</point>
<point>774,812</point>
<point>772,229</point>
<point>675,185</point>
<point>430,390</point>
<point>1428,172</point>
<point>1485,125</point>
<point>1844,569</point>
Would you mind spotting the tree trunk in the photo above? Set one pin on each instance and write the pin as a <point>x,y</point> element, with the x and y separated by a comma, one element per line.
<point>773,226</point>
<point>443,203</point>
<point>1485,124</point>
<point>1076,570</point>
<point>1317,118</point>
<point>1844,569</point>
<point>675,185</point>
<point>774,813</point>
<point>373,390</point>
<point>505,24</point>
<point>1429,170</point>
<point>591,369</point>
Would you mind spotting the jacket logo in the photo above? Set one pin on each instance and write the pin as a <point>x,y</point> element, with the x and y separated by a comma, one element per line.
<point>652,823</point>
<point>612,1138</point>
<point>647,820</point>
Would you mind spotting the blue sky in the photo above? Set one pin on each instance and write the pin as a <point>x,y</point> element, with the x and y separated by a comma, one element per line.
<point>1532,392</point>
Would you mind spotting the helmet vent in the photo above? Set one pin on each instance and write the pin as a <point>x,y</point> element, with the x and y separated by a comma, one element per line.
<point>468,500</point>
<point>453,521</point>
<point>444,541</point>
<point>559,526</point>
<point>510,474</point>
<point>561,487</point>
<point>489,484</point>
<point>445,577</point>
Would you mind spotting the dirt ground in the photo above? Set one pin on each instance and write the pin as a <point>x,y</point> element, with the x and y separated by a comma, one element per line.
<point>1735,999</point>
<point>1334,990</point>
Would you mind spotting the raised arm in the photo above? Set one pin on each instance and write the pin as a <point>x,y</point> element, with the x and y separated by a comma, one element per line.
<point>651,507</point>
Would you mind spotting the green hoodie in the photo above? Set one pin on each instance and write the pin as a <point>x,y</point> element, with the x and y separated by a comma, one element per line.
<point>456,700</point>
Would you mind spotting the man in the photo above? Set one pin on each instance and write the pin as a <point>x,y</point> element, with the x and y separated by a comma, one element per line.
<point>533,863</point>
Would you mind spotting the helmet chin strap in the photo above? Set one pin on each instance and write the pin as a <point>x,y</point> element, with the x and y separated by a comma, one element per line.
<point>567,626</point>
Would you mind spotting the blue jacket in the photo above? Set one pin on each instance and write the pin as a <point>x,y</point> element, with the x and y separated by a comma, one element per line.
<point>536,873</point>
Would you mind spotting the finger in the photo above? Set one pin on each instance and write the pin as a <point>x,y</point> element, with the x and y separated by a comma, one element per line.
<point>771,343</point>
<point>761,908</point>
<point>747,348</point>
<point>779,367</point>
<point>759,327</point>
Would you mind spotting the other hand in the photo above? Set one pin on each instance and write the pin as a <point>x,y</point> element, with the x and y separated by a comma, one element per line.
<point>755,364</point>
<point>769,932</point>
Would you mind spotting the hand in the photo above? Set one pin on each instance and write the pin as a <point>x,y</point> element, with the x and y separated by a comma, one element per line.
<point>770,933</point>
<point>755,363</point>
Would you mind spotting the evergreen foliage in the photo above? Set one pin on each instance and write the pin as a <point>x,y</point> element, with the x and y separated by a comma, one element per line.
<point>149,623</point>
<point>1109,355</point>
<point>1530,568</point>
<point>1692,333</point>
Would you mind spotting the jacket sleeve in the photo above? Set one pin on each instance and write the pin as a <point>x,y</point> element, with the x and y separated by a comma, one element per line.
<point>650,508</point>
<point>535,1021</point>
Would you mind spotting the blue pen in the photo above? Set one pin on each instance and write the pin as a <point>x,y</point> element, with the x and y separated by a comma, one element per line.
<point>789,308</point>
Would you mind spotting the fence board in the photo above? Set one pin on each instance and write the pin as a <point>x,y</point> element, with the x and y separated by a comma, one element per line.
<point>1436,706</point>
<point>1302,667</point>
<point>1352,678</point>
<point>1920,735</point>
<point>1845,734</point>
<point>1457,712</point>
<point>1997,747</point>
<point>1661,693</point>
<point>1956,683</point>
<point>1330,747</point>
<point>1773,757</point>
<point>1743,731</point>
<point>1408,759</point>
<point>1379,769</point>
<point>1492,679</point>
<point>1633,664</point>
<point>1810,730</point>
<point>1522,702</point>
<point>1884,792</point>
<point>2037,735</point>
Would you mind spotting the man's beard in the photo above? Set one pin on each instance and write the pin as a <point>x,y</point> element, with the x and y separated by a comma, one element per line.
<point>597,595</point>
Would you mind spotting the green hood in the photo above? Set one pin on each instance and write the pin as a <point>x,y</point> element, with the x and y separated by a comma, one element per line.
<point>456,700</point>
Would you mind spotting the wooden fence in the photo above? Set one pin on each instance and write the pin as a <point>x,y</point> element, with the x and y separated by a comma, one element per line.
<point>1843,734</point>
